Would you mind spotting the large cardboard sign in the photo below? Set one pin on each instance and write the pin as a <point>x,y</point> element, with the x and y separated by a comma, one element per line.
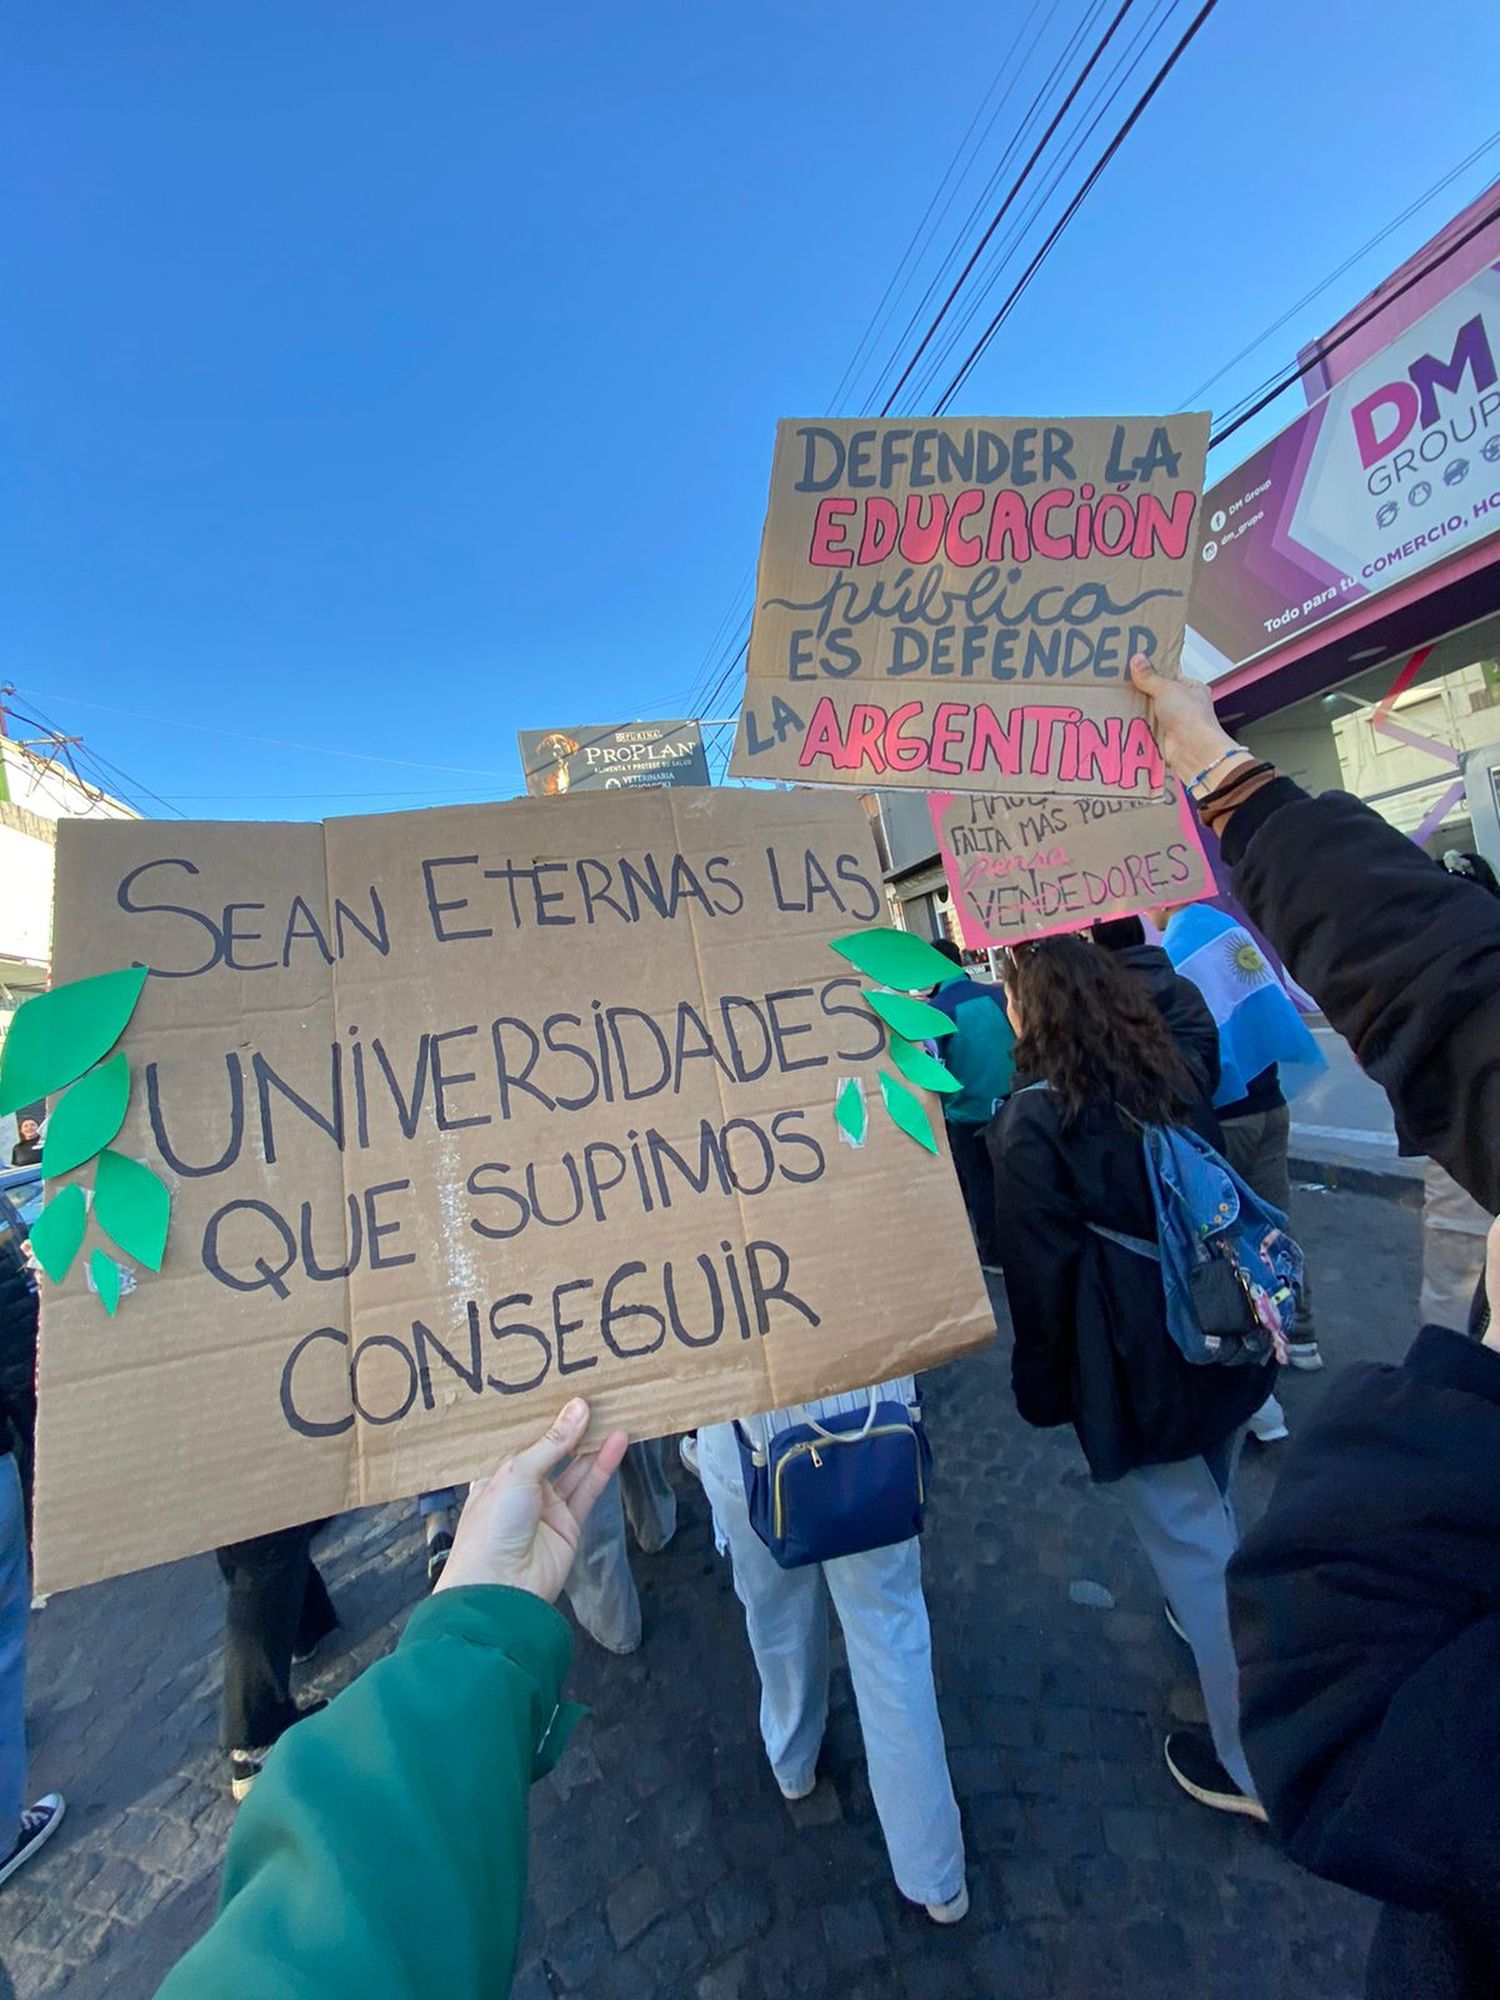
<point>465,1112</point>
<point>953,605</point>
<point>611,757</point>
<point>1020,867</point>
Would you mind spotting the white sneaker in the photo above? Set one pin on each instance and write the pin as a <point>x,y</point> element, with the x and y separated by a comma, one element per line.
<point>793,1793</point>
<point>1304,1354</point>
<point>687,1451</point>
<point>1268,1430</point>
<point>953,1911</point>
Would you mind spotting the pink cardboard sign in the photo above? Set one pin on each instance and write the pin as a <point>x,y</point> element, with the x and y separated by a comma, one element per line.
<point>1024,867</point>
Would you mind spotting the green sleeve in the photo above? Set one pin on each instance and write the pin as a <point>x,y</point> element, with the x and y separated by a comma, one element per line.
<point>382,1852</point>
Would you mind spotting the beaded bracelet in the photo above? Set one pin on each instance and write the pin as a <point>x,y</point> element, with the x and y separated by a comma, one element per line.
<point>1234,750</point>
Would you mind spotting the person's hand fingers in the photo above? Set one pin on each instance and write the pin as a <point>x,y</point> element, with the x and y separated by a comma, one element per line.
<point>597,1473</point>
<point>567,1483</point>
<point>562,1435</point>
<point>1147,678</point>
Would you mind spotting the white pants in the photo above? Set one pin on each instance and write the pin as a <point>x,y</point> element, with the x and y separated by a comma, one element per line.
<point>1185,1520</point>
<point>879,1601</point>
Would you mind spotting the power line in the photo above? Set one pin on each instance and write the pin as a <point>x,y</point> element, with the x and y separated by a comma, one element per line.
<point>1327,347</point>
<point>275,742</point>
<point>1095,173</point>
<point>1015,188</point>
<point>1012,147</point>
<point>913,255</point>
<point>1057,229</point>
<point>1447,180</point>
<point>109,780</point>
<point>1019,229</point>
<point>733,658</point>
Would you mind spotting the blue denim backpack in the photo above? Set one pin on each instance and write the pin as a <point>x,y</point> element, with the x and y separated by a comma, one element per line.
<point>1231,1275</point>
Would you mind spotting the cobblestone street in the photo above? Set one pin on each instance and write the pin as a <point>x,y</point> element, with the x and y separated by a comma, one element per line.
<point>663,1859</point>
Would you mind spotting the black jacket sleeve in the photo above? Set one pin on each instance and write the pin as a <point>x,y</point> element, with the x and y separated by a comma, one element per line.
<point>1196,1032</point>
<point>1403,958</point>
<point>1039,1228</point>
<point>1366,1609</point>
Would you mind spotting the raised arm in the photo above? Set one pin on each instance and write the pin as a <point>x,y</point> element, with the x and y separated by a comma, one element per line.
<point>383,1850</point>
<point>1403,958</point>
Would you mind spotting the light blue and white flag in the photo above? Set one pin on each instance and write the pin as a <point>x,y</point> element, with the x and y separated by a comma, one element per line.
<point>1258,1023</point>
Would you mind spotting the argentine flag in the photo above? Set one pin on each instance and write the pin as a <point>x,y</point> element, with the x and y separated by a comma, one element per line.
<point>1258,1024</point>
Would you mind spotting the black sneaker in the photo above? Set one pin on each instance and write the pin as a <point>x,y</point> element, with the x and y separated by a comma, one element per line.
<point>301,1657</point>
<point>38,1824</point>
<point>245,1765</point>
<point>1191,1760</point>
<point>438,1551</point>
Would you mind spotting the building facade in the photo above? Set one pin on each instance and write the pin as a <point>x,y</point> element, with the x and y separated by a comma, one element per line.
<point>1346,606</point>
<point>37,789</point>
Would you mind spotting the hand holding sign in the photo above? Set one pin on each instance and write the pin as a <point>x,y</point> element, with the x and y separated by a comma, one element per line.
<point>521,1528</point>
<point>1182,715</point>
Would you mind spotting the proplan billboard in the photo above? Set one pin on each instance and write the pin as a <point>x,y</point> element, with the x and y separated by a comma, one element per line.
<point>612,756</point>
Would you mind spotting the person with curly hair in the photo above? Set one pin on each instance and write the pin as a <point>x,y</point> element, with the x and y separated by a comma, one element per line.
<point>1095,1062</point>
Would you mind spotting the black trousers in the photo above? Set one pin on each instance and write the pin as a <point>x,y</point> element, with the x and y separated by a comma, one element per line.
<point>278,1604</point>
<point>976,1177</point>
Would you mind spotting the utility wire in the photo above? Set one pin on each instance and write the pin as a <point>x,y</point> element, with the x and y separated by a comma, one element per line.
<point>1021,227</point>
<point>932,217</point>
<point>1013,145</point>
<point>109,779</point>
<point>275,742</point>
<point>1487,145</point>
<point>733,651</point>
<point>1327,347</point>
<point>1015,189</point>
<point>1017,186</point>
<point>1057,229</point>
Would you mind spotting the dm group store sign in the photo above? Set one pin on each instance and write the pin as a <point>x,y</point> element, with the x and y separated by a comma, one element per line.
<point>1396,468</point>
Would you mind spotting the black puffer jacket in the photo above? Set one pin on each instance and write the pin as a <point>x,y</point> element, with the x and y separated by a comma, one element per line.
<point>1367,1622</point>
<point>1402,957</point>
<point>1182,1007</point>
<point>1366,1603</point>
<point>1091,1344</point>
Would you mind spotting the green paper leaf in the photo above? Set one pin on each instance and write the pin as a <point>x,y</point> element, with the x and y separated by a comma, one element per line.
<point>88,1117</point>
<point>895,958</point>
<point>918,1067</point>
<point>849,1110</point>
<point>106,1274</point>
<point>907,1110</point>
<point>56,1036</point>
<point>57,1233</point>
<point>913,1019</point>
<point>132,1206</point>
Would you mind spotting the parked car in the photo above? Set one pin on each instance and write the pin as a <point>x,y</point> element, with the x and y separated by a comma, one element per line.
<point>21,1197</point>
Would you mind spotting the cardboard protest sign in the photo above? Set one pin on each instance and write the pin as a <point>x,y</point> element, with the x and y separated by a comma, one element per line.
<point>1025,867</point>
<point>955,603</point>
<point>464,1112</point>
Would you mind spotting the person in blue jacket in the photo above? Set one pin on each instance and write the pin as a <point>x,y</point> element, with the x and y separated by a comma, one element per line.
<point>981,1054</point>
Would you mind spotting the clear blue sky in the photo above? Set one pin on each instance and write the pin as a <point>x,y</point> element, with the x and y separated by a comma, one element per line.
<point>386,378</point>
